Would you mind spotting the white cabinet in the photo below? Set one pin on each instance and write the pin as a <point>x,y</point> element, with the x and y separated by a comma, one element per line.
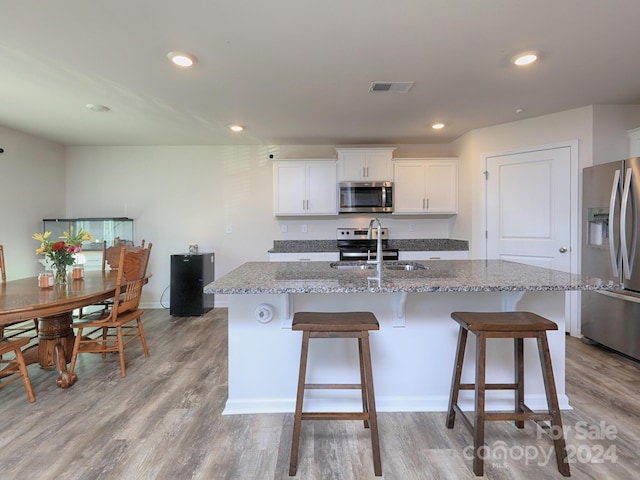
<point>304,257</point>
<point>365,164</point>
<point>405,256</point>
<point>305,187</point>
<point>634,142</point>
<point>425,186</point>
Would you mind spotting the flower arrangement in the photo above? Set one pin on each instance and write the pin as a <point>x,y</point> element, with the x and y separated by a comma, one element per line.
<point>62,252</point>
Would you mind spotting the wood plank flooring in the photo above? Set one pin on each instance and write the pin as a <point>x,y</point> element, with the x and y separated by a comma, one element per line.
<point>163,421</point>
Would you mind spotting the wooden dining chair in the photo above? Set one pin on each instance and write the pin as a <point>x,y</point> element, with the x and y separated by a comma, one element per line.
<point>112,330</point>
<point>110,260</point>
<point>17,369</point>
<point>26,328</point>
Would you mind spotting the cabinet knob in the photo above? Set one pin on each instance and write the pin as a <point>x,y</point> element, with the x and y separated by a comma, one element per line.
<point>562,250</point>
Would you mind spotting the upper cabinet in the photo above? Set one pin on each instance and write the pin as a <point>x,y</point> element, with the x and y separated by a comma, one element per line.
<point>305,187</point>
<point>634,142</point>
<point>425,186</point>
<point>365,164</point>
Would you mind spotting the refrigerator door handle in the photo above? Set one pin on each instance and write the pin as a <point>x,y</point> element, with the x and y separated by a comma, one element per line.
<point>620,296</point>
<point>612,241</point>
<point>626,265</point>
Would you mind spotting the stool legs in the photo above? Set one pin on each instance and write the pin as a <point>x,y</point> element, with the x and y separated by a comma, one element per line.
<point>365,358</point>
<point>480,389</point>
<point>457,374</point>
<point>297,419</point>
<point>554,408</point>
<point>366,388</point>
<point>518,375</point>
<point>521,411</point>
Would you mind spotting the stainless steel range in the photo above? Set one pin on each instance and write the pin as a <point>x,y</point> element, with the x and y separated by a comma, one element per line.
<point>354,244</point>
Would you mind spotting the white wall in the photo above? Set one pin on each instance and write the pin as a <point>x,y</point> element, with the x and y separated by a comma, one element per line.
<point>32,187</point>
<point>191,194</point>
<point>567,126</point>
<point>601,133</point>
<point>610,126</point>
<point>186,194</point>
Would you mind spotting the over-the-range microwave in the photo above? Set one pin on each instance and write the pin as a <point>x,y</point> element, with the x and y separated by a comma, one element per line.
<point>365,197</point>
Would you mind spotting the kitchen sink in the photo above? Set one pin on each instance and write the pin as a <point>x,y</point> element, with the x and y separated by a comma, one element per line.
<point>389,265</point>
<point>403,266</point>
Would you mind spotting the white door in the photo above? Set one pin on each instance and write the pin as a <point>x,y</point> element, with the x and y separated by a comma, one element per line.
<point>528,203</point>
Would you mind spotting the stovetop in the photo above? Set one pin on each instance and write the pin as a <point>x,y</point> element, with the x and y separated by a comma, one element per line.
<point>348,234</point>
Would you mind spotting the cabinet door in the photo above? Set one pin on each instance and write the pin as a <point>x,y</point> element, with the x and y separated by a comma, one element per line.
<point>304,257</point>
<point>305,188</point>
<point>322,192</point>
<point>365,165</point>
<point>441,186</point>
<point>409,187</point>
<point>352,165</point>
<point>404,256</point>
<point>378,166</point>
<point>289,184</point>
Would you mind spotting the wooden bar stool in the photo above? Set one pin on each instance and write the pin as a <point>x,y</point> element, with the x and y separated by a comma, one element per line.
<point>17,370</point>
<point>516,325</point>
<point>337,325</point>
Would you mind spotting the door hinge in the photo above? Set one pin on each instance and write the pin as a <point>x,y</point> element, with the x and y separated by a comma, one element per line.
<point>486,234</point>
<point>486,174</point>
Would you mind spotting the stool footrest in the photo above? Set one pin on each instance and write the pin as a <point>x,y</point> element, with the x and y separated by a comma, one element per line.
<point>332,386</point>
<point>335,415</point>
<point>490,386</point>
<point>509,325</point>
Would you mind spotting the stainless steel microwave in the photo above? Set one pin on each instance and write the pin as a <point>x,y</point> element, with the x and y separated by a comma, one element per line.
<point>365,197</point>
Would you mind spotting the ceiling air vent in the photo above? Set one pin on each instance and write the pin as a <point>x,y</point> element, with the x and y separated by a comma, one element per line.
<point>402,87</point>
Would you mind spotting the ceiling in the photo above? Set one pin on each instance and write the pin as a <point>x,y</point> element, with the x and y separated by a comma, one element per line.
<point>298,72</point>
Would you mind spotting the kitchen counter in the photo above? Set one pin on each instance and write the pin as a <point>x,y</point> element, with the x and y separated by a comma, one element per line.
<point>439,276</point>
<point>419,244</point>
<point>412,353</point>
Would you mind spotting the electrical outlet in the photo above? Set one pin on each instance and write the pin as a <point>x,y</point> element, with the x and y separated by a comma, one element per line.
<point>412,227</point>
<point>228,229</point>
<point>283,228</point>
<point>304,228</point>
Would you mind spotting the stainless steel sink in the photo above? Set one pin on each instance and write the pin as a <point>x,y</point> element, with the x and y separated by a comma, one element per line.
<point>403,266</point>
<point>353,266</point>
<point>391,265</point>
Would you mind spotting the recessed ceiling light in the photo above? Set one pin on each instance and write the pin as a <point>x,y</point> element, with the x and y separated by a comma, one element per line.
<point>437,126</point>
<point>525,58</point>
<point>94,107</point>
<point>236,128</point>
<point>182,59</point>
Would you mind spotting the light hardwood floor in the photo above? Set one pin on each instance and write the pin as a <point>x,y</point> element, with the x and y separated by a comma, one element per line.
<point>163,421</point>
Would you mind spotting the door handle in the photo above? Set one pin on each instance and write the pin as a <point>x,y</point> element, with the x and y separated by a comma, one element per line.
<point>562,250</point>
<point>626,264</point>
<point>613,252</point>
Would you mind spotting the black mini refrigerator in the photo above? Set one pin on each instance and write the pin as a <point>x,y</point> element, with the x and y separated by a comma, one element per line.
<point>189,275</point>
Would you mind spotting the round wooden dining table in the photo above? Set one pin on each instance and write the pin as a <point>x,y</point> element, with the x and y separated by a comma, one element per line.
<point>23,300</point>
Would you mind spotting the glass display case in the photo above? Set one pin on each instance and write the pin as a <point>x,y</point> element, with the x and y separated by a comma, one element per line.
<point>115,230</point>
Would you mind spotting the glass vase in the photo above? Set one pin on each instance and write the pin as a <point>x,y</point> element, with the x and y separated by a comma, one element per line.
<point>60,274</point>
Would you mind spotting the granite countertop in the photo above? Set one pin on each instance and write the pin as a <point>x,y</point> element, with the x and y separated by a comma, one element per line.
<point>439,276</point>
<point>418,244</point>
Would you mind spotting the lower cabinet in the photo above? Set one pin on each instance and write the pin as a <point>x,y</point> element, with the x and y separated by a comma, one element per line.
<point>304,257</point>
<point>434,255</point>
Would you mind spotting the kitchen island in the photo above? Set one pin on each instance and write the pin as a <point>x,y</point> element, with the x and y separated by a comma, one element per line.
<point>412,353</point>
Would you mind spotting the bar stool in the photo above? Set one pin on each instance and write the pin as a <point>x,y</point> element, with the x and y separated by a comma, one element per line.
<point>337,325</point>
<point>19,370</point>
<point>516,325</point>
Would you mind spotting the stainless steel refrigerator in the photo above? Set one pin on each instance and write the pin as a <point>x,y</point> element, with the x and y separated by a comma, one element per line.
<point>611,218</point>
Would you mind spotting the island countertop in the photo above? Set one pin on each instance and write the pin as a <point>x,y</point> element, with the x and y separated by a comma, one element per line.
<point>439,276</point>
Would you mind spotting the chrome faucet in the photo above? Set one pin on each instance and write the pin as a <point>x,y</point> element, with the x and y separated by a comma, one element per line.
<point>378,260</point>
